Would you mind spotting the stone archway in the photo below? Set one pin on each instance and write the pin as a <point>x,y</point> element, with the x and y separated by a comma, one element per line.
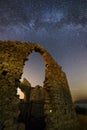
<point>58,107</point>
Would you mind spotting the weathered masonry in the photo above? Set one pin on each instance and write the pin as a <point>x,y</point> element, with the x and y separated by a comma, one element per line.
<point>58,107</point>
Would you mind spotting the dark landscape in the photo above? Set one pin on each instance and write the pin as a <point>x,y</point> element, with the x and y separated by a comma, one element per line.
<point>82,116</point>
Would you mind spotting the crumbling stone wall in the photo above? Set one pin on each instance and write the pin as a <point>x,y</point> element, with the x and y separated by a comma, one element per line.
<point>32,106</point>
<point>25,87</point>
<point>58,107</point>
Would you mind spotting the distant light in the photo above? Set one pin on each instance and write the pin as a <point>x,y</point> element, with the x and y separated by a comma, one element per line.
<point>50,110</point>
<point>20,93</point>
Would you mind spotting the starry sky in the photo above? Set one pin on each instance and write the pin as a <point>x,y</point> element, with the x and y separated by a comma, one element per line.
<point>58,25</point>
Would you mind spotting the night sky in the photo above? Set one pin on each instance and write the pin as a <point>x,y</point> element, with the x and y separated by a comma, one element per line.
<point>58,25</point>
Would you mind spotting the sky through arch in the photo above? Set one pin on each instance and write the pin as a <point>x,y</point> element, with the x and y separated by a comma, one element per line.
<point>32,67</point>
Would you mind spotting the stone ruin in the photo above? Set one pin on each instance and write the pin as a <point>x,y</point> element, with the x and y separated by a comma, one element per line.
<point>58,107</point>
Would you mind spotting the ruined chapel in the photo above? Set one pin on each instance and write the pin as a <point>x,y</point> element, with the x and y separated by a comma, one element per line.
<point>58,109</point>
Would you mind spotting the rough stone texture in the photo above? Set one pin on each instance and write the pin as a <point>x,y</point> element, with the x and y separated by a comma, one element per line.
<point>25,87</point>
<point>38,93</point>
<point>58,107</point>
<point>32,110</point>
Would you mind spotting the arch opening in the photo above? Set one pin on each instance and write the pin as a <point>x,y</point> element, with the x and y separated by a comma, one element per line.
<point>33,71</point>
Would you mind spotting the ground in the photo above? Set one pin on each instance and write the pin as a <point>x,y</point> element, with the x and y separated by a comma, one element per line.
<point>83,121</point>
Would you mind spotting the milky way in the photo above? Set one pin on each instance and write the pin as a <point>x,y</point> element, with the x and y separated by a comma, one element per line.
<point>59,25</point>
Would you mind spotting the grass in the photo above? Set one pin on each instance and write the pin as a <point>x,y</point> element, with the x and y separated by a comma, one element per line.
<point>83,121</point>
